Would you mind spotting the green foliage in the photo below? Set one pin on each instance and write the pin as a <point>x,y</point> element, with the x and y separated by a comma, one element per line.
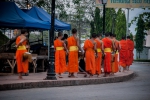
<point>131,36</point>
<point>40,3</point>
<point>3,39</point>
<point>120,28</point>
<point>139,37</point>
<point>110,19</point>
<point>92,27</point>
<point>146,18</point>
<point>97,21</point>
<point>78,13</point>
<point>76,1</point>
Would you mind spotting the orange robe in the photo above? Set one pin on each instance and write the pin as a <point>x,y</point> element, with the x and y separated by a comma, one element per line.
<point>115,64</point>
<point>130,44</point>
<point>22,66</point>
<point>98,60</point>
<point>123,54</point>
<point>60,56</point>
<point>73,55</point>
<point>90,57</point>
<point>107,49</point>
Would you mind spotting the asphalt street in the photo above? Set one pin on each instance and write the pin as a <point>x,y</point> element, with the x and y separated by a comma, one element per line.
<point>135,89</point>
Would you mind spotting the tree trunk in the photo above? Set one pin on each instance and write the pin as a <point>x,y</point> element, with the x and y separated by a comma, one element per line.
<point>139,55</point>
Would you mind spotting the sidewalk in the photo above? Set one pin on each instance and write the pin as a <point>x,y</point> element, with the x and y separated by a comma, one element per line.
<point>35,80</point>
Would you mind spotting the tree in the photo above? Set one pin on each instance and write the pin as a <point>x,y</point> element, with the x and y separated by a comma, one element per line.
<point>139,37</point>
<point>78,13</point>
<point>82,15</point>
<point>3,38</point>
<point>98,22</point>
<point>110,19</point>
<point>92,27</point>
<point>60,6</point>
<point>131,36</point>
<point>120,28</point>
<point>146,18</point>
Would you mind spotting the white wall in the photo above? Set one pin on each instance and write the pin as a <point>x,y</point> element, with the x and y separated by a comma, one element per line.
<point>148,39</point>
<point>149,54</point>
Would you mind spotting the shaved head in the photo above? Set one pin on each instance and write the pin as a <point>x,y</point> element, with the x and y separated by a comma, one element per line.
<point>60,34</point>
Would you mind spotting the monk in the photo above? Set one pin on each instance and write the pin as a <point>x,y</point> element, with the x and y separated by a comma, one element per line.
<point>115,63</point>
<point>90,50</point>
<point>73,46</point>
<point>60,55</point>
<point>21,45</point>
<point>100,49</point>
<point>108,46</point>
<point>123,54</point>
<point>65,41</point>
<point>130,44</point>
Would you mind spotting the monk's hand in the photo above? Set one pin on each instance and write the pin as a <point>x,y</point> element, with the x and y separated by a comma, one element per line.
<point>16,46</point>
<point>67,52</point>
<point>82,52</point>
<point>96,55</point>
<point>27,46</point>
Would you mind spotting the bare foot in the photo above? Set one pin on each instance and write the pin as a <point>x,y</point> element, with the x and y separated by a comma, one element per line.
<point>85,75</point>
<point>119,70</point>
<point>105,75</point>
<point>91,76</point>
<point>97,75</point>
<point>123,71</point>
<point>73,76</point>
<point>20,78</point>
<point>112,74</point>
<point>128,69</point>
<point>69,75</point>
<point>60,76</point>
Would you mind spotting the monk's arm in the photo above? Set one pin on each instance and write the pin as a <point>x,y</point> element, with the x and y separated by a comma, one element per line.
<point>102,47</point>
<point>119,47</point>
<point>95,49</point>
<point>20,42</point>
<point>113,45</point>
<point>64,44</point>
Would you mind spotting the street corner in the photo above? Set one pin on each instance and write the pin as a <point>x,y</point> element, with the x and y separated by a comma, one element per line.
<point>36,81</point>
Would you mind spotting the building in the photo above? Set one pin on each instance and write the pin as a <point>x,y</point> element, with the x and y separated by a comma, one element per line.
<point>145,54</point>
<point>148,43</point>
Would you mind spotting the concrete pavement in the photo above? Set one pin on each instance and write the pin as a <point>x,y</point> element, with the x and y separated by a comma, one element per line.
<point>135,89</point>
<point>35,80</point>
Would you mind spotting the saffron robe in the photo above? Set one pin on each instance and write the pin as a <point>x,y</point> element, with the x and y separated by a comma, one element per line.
<point>115,64</point>
<point>107,49</point>
<point>60,56</point>
<point>22,66</point>
<point>73,55</point>
<point>123,54</point>
<point>98,60</point>
<point>130,44</point>
<point>90,57</point>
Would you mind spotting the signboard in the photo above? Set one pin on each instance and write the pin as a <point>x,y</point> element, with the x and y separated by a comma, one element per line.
<point>125,3</point>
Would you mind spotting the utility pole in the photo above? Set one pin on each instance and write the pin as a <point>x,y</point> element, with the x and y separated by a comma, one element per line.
<point>51,58</point>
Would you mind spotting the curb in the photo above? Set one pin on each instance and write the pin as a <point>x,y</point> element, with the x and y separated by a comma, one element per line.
<point>60,83</point>
<point>142,62</point>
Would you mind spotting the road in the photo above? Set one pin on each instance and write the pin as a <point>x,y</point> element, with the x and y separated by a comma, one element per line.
<point>135,89</point>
